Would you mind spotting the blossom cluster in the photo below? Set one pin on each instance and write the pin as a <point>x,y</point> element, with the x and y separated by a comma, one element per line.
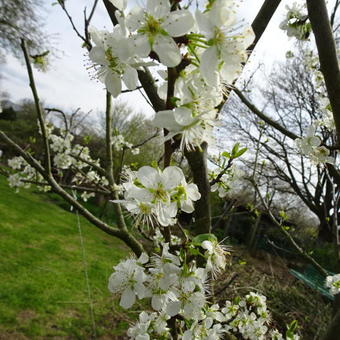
<point>228,182</point>
<point>64,156</point>
<point>154,196</point>
<point>174,287</point>
<point>207,48</point>
<point>296,22</point>
<point>119,143</point>
<point>310,146</point>
<point>24,175</point>
<point>333,283</point>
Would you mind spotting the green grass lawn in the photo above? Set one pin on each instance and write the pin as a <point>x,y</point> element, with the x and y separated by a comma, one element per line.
<point>43,291</point>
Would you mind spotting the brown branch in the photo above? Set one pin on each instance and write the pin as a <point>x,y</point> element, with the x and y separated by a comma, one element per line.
<point>71,187</point>
<point>219,176</point>
<point>318,16</point>
<point>122,234</point>
<point>88,21</point>
<point>333,14</point>
<point>198,164</point>
<point>62,5</point>
<point>52,109</point>
<point>95,166</point>
<point>262,19</point>
<point>263,116</point>
<point>146,140</point>
<point>108,139</point>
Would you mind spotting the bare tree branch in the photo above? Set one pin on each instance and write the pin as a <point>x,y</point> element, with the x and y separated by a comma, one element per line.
<point>264,117</point>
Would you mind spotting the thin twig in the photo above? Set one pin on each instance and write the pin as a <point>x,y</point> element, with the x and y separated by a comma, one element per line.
<point>156,134</point>
<point>288,235</point>
<point>38,108</point>
<point>62,5</point>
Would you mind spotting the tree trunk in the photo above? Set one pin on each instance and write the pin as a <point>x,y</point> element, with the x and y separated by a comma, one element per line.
<point>197,160</point>
<point>333,331</point>
<point>325,233</point>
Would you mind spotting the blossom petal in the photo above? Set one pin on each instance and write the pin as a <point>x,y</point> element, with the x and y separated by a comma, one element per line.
<point>192,192</point>
<point>128,298</point>
<point>113,84</point>
<point>157,302</point>
<point>173,308</point>
<point>148,176</point>
<point>208,66</point>
<point>134,18</point>
<point>97,55</point>
<point>139,194</point>
<point>167,50</point>
<point>141,45</point>
<point>165,119</point>
<point>187,206</point>
<point>183,116</point>
<point>158,8</point>
<point>130,77</point>
<point>172,177</point>
<point>208,246</point>
<point>178,23</point>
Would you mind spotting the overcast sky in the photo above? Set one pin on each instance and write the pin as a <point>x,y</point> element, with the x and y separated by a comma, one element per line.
<point>67,84</point>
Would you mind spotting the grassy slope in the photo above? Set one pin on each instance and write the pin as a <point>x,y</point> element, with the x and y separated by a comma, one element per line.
<point>43,290</point>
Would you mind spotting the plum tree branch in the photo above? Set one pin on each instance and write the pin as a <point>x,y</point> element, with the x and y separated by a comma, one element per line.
<point>38,108</point>
<point>122,234</point>
<point>263,116</point>
<point>319,19</point>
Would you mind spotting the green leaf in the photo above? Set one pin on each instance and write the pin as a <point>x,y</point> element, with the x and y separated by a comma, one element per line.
<point>235,149</point>
<point>240,152</point>
<point>194,252</point>
<point>283,215</point>
<point>226,154</point>
<point>291,329</point>
<point>197,240</point>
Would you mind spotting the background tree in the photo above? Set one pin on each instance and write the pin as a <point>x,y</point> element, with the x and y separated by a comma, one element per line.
<point>294,102</point>
<point>22,19</point>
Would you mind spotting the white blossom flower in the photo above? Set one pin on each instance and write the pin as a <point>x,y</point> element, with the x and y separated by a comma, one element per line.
<point>164,274</point>
<point>156,25</point>
<point>309,142</point>
<point>128,279</point>
<point>16,163</point>
<point>86,195</point>
<point>295,22</point>
<point>204,331</point>
<point>333,283</point>
<point>62,160</point>
<point>216,256</point>
<point>321,155</point>
<point>154,194</point>
<point>226,51</point>
<point>328,118</point>
<point>195,115</point>
<point>140,331</point>
<point>276,335</point>
<point>115,59</point>
<point>193,130</point>
<point>15,181</point>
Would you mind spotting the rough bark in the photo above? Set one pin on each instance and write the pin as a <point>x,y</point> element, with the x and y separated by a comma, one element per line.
<point>198,164</point>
